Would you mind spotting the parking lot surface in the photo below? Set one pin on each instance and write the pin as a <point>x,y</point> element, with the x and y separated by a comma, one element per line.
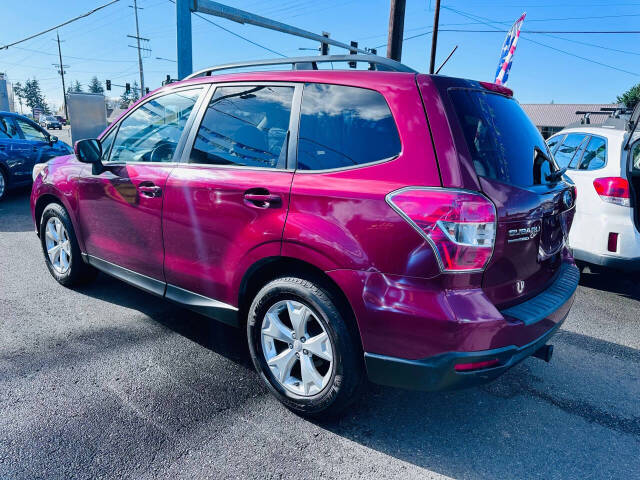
<point>109,382</point>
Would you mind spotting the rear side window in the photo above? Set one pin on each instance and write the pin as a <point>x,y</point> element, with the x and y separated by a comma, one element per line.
<point>595,154</point>
<point>344,126</point>
<point>566,156</point>
<point>503,143</point>
<point>245,126</point>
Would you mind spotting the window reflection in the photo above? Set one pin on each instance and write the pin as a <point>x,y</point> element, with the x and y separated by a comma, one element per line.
<point>152,132</point>
<point>344,126</point>
<point>245,126</point>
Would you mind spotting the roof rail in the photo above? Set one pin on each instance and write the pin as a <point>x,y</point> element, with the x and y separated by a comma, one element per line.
<point>311,63</point>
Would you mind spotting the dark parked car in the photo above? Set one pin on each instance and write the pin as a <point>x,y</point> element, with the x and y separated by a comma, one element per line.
<point>61,119</point>
<point>23,143</point>
<point>50,122</point>
<point>403,227</point>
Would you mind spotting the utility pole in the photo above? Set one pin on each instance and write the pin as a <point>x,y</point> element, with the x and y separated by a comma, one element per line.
<point>434,37</point>
<point>396,29</point>
<point>61,68</point>
<point>137,37</point>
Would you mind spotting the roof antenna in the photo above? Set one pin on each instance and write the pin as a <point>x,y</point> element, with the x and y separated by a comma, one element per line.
<point>446,59</point>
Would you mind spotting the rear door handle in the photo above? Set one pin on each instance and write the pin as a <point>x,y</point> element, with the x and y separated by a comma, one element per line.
<point>151,191</point>
<point>263,200</point>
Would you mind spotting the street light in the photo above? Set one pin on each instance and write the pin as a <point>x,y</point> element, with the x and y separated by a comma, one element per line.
<point>166,59</point>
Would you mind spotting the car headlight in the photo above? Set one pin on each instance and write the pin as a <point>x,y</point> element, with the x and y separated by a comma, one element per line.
<point>37,170</point>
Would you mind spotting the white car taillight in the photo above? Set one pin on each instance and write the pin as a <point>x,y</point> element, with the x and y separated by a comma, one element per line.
<point>460,226</point>
<point>613,190</point>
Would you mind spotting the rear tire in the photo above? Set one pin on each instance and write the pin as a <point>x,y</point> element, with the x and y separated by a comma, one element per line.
<point>60,248</point>
<point>322,364</point>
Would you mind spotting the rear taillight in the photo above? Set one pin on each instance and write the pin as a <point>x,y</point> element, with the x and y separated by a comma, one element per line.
<point>613,190</point>
<point>459,225</point>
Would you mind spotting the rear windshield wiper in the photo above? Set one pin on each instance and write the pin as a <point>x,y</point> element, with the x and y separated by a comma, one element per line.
<point>556,176</point>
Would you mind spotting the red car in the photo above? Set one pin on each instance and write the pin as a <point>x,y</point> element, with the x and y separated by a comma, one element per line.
<point>375,223</point>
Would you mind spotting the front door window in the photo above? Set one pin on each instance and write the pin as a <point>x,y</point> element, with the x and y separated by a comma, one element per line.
<point>151,133</point>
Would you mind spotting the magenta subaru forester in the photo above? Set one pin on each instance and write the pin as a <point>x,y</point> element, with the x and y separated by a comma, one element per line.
<point>375,223</point>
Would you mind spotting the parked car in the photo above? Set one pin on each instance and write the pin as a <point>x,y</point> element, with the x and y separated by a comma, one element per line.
<point>403,227</point>
<point>23,143</point>
<point>61,119</point>
<point>606,230</point>
<point>50,122</point>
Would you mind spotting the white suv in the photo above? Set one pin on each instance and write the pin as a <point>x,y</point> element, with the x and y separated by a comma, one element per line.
<point>606,227</point>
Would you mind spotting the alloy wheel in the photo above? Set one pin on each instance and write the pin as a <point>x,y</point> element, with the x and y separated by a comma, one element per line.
<point>58,245</point>
<point>297,348</point>
<point>2,184</point>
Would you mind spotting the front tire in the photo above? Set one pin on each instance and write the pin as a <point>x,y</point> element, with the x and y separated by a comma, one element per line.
<point>60,248</point>
<point>4,184</point>
<point>303,348</point>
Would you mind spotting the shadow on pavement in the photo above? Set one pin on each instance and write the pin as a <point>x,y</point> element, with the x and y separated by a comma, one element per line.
<point>625,284</point>
<point>15,211</point>
<point>536,421</point>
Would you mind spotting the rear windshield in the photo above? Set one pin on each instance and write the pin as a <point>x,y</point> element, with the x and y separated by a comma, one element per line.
<point>503,143</point>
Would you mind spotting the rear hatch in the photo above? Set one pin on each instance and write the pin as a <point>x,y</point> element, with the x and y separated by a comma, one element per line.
<point>501,154</point>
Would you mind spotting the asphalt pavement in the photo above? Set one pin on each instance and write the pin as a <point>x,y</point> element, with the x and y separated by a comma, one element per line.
<point>109,382</point>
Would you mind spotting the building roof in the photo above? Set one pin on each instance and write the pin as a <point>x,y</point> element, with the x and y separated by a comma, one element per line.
<point>563,114</point>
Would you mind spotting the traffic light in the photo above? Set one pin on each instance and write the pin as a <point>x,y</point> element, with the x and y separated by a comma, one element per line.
<point>127,87</point>
<point>108,82</point>
<point>353,52</point>
<point>146,90</point>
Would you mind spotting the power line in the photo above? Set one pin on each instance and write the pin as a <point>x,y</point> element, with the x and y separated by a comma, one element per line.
<point>4,47</point>
<point>235,34</point>
<point>76,58</point>
<point>489,22</point>
<point>544,32</point>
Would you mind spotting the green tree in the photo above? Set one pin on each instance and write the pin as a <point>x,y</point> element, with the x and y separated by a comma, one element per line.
<point>95,86</point>
<point>127,98</point>
<point>75,87</point>
<point>33,96</point>
<point>18,91</point>
<point>630,97</point>
<point>135,91</point>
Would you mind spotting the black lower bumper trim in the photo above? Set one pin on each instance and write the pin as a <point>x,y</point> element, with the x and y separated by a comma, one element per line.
<point>438,372</point>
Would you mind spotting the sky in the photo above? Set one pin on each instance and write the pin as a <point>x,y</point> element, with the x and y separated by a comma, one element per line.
<point>558,67</point>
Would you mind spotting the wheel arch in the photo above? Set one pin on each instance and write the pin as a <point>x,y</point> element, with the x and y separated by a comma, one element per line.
<point>41,204</point>
<point>267,269</point>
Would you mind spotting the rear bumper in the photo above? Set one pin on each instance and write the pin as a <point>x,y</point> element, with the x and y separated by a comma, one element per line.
<point>439,373</point>
<point>543,314</point>
<point>609,261</point>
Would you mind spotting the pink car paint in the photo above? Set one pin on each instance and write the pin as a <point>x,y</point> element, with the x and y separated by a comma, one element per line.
<point>212,226</point>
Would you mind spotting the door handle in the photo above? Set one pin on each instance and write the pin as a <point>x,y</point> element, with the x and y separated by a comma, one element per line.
<point>263,200</point>
<point>151,191</point>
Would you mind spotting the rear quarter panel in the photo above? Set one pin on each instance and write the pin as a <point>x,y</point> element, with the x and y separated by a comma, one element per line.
<point>340,219</point>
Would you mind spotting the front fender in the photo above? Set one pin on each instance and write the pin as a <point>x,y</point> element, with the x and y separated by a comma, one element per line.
<point>59,181</point>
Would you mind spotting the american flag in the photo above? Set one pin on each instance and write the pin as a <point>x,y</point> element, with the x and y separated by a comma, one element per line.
<point>508,49</point>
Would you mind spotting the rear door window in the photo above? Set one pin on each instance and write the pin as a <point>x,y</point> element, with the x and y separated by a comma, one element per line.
<point>503,143</point>
<point>343,127</point>
<point>595,154</point>
<point>245,126</point>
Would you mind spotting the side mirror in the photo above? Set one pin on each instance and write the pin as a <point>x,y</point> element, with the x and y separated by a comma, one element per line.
<point>89,150</point>
<point>52,139</point>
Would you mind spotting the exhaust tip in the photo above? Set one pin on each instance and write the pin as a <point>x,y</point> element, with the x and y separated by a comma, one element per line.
<point>544,353</point>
